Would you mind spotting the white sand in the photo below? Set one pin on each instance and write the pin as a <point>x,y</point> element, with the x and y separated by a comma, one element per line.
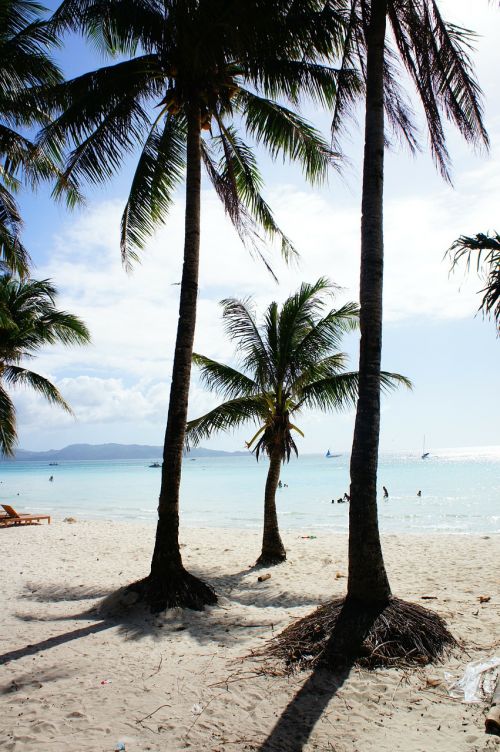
<point>162,672</point>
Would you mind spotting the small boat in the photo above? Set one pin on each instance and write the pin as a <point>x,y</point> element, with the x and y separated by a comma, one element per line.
<point>329,455</point>
<point>53,464</point>
<point>155,464</point>
<point>424,453</point>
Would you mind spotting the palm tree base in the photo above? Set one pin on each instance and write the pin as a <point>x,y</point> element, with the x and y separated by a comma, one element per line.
<point>179,590</point>
<point>271,559</point>
<point>345,632</point>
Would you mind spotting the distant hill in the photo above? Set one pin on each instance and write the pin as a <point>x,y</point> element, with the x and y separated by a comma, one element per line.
<point>110,452</point>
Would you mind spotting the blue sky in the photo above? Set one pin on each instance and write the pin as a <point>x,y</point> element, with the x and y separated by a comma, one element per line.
<point>118,387</point>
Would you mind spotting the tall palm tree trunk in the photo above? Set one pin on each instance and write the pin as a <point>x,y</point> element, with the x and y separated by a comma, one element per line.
<point>273,550</point>
<point>169,584</point>
<point>367,580</point>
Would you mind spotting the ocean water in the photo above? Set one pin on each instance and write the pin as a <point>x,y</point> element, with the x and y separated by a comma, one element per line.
<point>460,491</point>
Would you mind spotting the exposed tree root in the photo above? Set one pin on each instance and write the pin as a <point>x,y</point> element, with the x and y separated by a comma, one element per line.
<point>271,559</point>
<point>179,589</point>
<point>343,632</point>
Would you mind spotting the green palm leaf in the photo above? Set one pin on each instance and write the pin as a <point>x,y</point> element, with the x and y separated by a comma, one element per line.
<point>485,249</point>
<point>8,433</point>
<point>226,417</point>
<point>159,170</point>
<point>16,376</point>
<point>239,187</point>
<point>29,321</point>
<point>240,325</point>
<point>224,380</point>
<point>282,131</point>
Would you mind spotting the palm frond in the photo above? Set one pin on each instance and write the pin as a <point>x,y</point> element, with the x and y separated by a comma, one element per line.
<point>322,336</point>
<point>29,304</point>
<point>343,110</point>
<point>12,251</point>
<point>285,133</point>
<point>314,369</point>
<point>159,171</point>
<point>240,189</point>
<point>400,114</point>
<point>390,381</point>
<point>222,379</point>
<point>299,79</point>
<point>486,250</point>
<point>8,433</point>
<point>338,392</point>
<point>436,58</point>
<point>103,115</point>
<point>228,416</point>
<point>15,376</point>
<point>241,326</point>
<point>222,177</point>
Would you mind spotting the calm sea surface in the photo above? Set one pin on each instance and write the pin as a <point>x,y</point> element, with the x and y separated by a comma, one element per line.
<point>460,491</point>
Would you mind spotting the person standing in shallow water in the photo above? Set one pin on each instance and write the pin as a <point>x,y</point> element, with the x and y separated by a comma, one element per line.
<point>386,492</point>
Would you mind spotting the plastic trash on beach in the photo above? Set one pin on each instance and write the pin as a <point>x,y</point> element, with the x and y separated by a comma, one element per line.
<point>120,747</point>
<point>197,709</point>
<point>478,681</point>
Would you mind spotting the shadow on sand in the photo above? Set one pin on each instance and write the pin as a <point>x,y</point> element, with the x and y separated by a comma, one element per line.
<point>295,725</point>
<point>117,609</point>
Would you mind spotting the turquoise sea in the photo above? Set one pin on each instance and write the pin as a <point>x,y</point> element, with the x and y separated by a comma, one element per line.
<point>460,491</point>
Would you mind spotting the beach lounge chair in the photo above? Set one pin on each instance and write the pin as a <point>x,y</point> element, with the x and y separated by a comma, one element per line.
<point>11,517</point>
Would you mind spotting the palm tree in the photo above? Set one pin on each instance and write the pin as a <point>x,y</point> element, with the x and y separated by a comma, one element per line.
<point>29,322</point>
<point>24,67</point>
<point>201,65</point>
<point>292,365</point>
<point>435,54</point>
<point>487,266</point>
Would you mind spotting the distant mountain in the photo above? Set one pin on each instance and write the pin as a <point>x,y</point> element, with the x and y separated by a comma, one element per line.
<point>110,452</point>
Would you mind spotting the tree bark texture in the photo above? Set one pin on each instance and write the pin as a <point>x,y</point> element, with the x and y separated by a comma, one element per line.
<point>368,580</point>
<point>273,550</point>
<point>167,560</point>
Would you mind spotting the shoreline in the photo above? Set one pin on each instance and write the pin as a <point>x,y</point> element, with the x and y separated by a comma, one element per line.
<point>325,530</point>
<point>73,677</point>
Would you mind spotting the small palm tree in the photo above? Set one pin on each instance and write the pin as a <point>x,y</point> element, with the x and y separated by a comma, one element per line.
<point>29,321</point>
<point>25,67</point>
<point>293,364</point>
<point>487,266</point>
<point>194,70</point>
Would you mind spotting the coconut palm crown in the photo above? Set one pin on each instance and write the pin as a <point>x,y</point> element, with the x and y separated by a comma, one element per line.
<point>29,321</point>
<point>206,64</point>
<point>290,363</point>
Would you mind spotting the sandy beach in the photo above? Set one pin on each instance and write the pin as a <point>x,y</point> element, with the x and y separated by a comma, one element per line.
<point>73,678</point>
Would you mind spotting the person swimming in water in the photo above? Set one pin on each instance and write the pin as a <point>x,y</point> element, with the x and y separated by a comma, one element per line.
<point>51,477</point>
<point>386,492</point>
<point>419,493</point>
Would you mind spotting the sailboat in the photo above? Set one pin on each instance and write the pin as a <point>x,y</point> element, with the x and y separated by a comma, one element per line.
<point>329,455</point>
<point>424,453</point>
